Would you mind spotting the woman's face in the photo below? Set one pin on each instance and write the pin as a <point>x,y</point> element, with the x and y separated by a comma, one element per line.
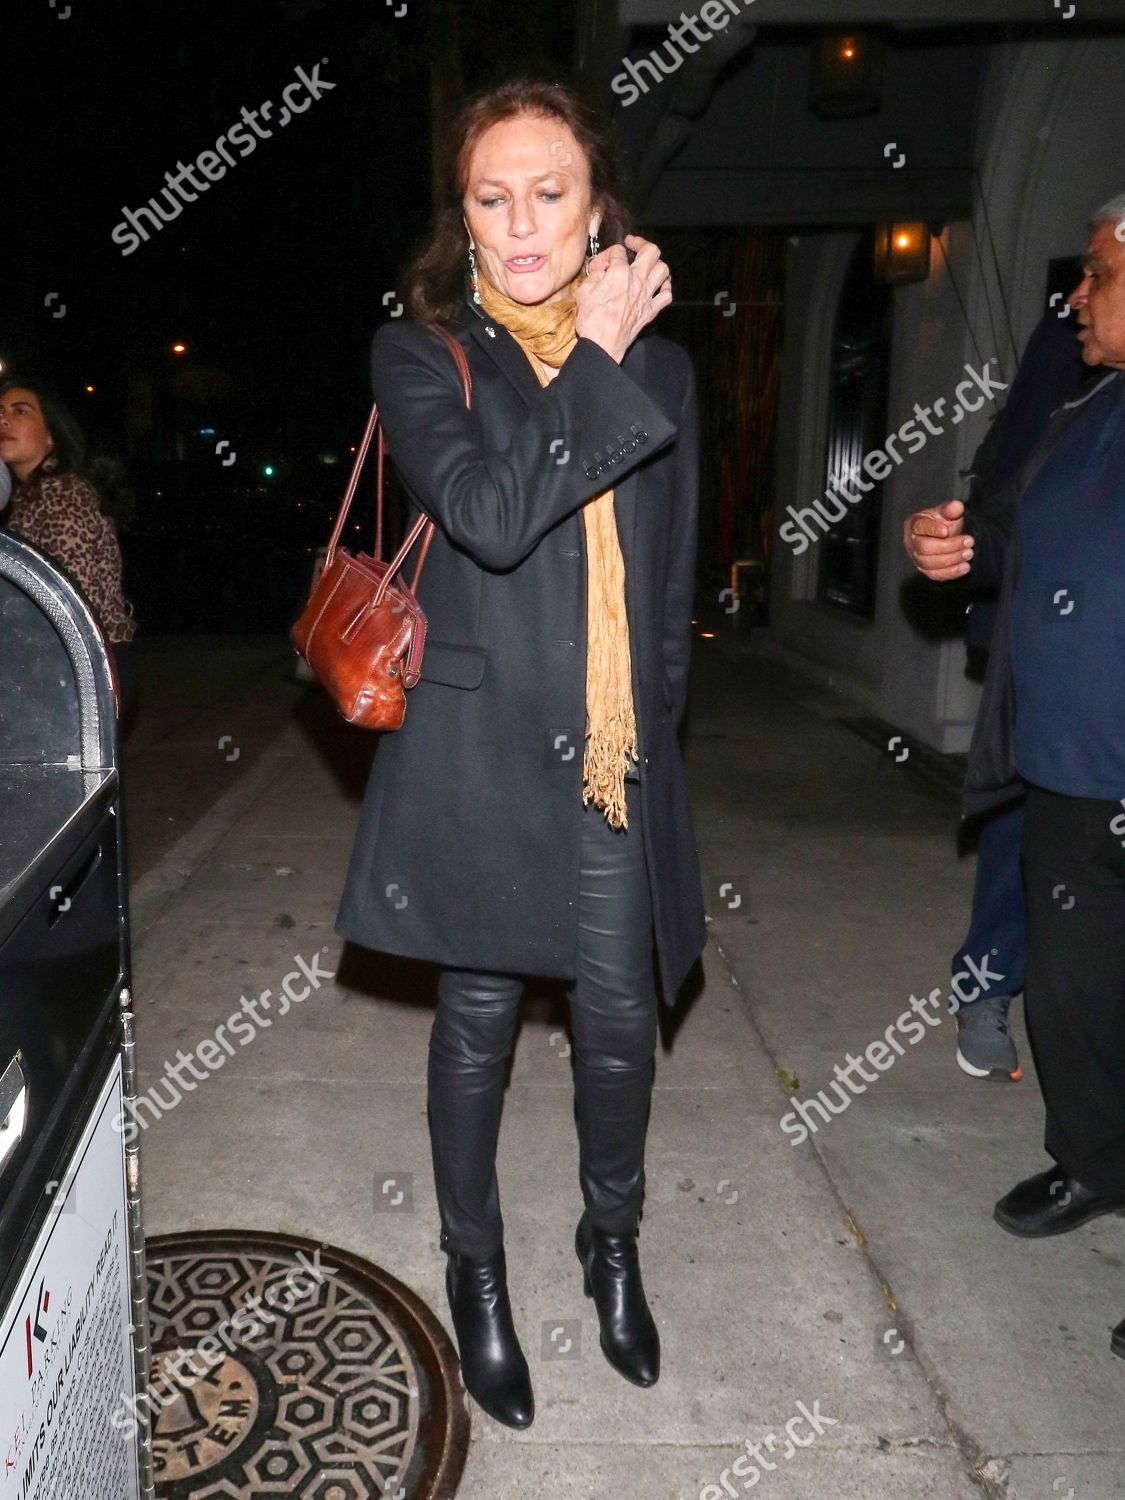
<point>24,439</point>
<point>527,207</point>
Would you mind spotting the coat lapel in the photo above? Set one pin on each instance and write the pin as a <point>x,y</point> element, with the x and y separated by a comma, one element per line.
<point>502,349</point>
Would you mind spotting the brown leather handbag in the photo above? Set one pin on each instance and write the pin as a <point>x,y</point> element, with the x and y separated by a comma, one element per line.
<point>362,633</point>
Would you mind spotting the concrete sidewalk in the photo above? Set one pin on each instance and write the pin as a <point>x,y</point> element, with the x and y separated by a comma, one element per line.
<point>858,1273</point>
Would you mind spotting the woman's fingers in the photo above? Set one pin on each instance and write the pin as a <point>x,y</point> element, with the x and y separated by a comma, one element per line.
<point>652,279</point>
<point>652,269</point>
<point>630,294</point>
<point>656,303</point>
<point>659,280</point>
<point>646,261</point>
<point>601,264</point>
<point>612,255</point>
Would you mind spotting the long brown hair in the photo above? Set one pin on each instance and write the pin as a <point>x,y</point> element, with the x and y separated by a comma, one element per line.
<point>435,280</point>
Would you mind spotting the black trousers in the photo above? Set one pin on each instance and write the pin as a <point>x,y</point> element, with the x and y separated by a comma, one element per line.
<point>1074,869</point>
<point>613,1012</point>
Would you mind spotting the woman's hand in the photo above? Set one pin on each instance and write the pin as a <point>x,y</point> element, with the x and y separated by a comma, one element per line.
<point>617,299</point>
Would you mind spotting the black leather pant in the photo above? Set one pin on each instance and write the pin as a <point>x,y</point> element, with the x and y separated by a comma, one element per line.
<point>613,1018</point>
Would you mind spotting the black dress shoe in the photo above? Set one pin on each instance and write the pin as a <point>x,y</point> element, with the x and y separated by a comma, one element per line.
<point>492,1363</point>
<point>1117,1339</point>
<point>611,1275</point>
<point>1050,1203</point>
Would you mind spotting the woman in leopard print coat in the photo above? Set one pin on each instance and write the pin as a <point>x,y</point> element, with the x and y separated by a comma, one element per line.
<point>57,509</point>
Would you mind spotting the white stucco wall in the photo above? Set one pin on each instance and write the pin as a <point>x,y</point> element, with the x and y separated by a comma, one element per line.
<point>1052,129</point>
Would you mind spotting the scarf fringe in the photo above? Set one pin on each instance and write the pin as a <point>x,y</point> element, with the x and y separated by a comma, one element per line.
<point>605,760</point>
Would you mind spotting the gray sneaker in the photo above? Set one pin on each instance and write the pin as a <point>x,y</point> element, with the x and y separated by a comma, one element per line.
<point>984,1046</point>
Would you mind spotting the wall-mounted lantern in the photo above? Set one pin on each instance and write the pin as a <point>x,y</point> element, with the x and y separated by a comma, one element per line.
<point>902,253</point>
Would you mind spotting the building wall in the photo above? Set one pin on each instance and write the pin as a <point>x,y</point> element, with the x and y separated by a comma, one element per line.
<point>1047,154</point>
<point>1050,152</point>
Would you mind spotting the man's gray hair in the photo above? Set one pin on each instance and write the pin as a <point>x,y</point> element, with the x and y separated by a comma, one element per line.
<point>1112,212</point>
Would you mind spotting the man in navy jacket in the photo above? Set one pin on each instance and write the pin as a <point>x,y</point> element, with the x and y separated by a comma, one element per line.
<point>1052,721</point>
<point>1051,372</point>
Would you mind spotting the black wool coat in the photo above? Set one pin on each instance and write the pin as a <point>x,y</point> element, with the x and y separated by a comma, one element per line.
<point>467,850</point>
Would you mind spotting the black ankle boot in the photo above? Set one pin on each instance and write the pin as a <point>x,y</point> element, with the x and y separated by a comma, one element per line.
<point>492,1363</point>
<point>611,1274</point>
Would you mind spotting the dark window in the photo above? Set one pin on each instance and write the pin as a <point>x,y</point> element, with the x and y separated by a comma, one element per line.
<point>857,425</point>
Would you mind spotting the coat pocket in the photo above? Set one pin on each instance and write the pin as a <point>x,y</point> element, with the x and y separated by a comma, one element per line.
<point>453,665</point>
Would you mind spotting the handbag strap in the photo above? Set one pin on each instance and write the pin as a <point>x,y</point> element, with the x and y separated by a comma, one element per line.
<point>423,523</point>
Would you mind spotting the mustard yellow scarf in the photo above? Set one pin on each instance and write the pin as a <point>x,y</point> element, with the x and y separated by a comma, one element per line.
<point>545,332</point>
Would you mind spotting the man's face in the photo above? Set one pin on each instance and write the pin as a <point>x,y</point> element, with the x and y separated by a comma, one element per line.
<point>1099,298</point>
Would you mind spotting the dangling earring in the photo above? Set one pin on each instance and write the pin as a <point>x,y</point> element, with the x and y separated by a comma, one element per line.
<point>473,272</point>
<point>593,251</point>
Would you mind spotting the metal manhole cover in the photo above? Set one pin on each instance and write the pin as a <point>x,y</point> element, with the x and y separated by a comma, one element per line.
<point>284,1367</point>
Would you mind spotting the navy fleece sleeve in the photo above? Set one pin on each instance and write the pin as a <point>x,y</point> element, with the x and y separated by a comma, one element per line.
<point>989,522</point>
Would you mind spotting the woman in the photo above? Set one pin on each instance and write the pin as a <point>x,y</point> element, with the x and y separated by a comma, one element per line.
<point>56,507</point>
<point>531,816</point>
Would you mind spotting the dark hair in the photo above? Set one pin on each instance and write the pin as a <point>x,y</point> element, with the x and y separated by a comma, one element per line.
<point>70,454</point>
<point>435,280</point>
